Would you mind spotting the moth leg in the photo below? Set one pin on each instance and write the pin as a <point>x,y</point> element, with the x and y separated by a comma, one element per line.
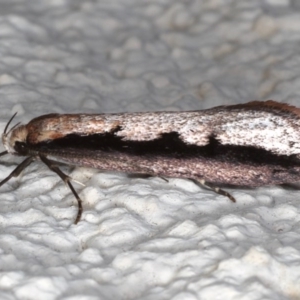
<point>53,167</point>
<point>3,153</point>
<point>215,189</point>
<point>16,172</point>
<point>163,178</point>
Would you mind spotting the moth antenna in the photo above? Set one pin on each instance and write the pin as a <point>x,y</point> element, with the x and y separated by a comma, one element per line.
<point>6,127</point>
<point>10,130</point>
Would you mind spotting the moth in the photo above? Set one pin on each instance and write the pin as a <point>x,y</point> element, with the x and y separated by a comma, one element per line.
<point>252,144</point>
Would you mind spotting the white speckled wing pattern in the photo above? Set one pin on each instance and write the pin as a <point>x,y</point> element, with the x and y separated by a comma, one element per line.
<point>249,144</point>
<point>267,125</point>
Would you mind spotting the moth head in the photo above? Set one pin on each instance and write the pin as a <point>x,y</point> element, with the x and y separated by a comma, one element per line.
<point>14,139</point>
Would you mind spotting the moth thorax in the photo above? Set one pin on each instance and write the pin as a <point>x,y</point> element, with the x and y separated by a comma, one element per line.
<point>9,139</point>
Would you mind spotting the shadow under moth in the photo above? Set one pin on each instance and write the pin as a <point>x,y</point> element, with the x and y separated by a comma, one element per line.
<point>250,145</point>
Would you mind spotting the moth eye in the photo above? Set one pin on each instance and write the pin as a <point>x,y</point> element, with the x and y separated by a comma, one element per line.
<point>20,148</point>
